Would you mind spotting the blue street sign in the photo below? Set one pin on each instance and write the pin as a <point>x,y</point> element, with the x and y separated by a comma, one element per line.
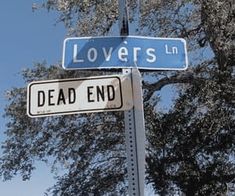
<point>125,52</point>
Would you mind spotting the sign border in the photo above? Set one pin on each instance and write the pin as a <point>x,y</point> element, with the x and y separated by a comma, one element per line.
<point>75,111</point>
<point>117,67</point>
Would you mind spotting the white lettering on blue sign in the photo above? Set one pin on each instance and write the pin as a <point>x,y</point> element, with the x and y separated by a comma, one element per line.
<point>172,50</point>
<point>106,53</point>
<point>124,52</point>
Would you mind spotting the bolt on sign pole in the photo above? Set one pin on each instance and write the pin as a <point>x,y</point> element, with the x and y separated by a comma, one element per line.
<point>134,120</point>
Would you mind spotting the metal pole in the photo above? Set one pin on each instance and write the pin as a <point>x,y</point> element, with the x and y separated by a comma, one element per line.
<point>135,137</point>
<point>134,120</point>
<point>123,18</point>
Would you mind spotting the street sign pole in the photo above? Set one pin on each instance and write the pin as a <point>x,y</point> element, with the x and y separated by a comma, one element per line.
<point>129,53</point>
<point>134,121</point>
<point>135,137</point>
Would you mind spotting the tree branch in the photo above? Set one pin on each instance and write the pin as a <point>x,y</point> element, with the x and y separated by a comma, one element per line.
<point>180,77</point>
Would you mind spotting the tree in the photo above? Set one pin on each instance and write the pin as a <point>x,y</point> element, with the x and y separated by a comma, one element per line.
<point>84,145</point>
<point>190,148</point>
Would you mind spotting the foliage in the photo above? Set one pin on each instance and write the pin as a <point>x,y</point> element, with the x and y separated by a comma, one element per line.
<point>89,151</point>
<point>190,148</point>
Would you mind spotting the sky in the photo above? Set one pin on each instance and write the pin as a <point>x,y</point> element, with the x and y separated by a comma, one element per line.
<point>26,37</point>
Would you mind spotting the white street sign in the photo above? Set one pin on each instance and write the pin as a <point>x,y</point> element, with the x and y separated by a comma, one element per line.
<point>83,95</point>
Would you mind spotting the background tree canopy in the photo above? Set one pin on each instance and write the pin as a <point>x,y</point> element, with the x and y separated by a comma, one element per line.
<point>190,147</point>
